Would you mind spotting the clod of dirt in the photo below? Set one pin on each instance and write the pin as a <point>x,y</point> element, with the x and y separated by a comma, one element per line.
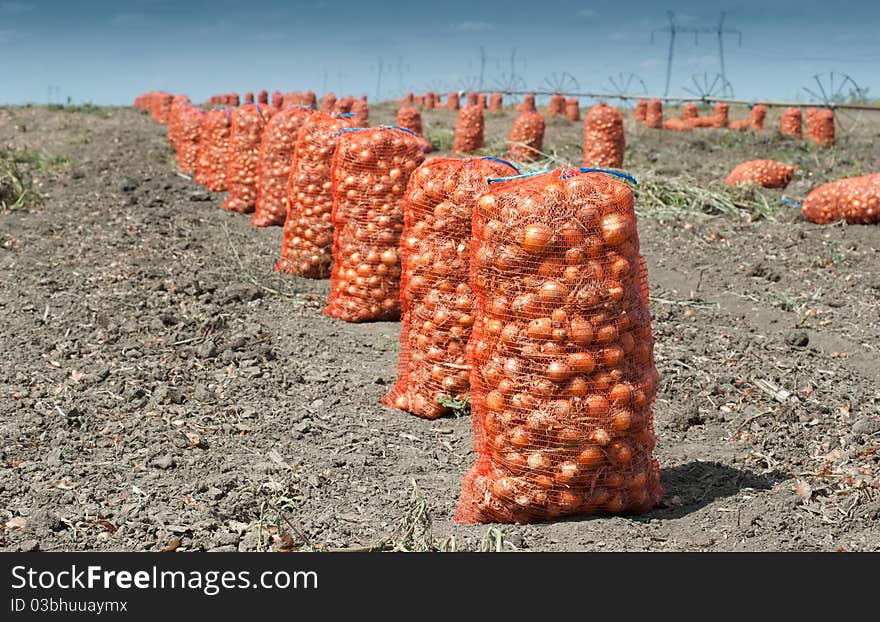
<point>686,419</point>
<point>163,462</point>
<point>797,339</point>
<point>44,521</point>
<point>866,425</point>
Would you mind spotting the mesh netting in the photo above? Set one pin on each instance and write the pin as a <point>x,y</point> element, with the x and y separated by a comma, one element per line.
<point>481,101</point>
<point>677,125</point>
<point>344,104</point>
<point>720,114</point>
<point>604,140</point>
<point>452,101</point>
<point>855,200</point>
<point>178,103</point>
<point>556,105</point>
<point>471,98</point>
<point>739,125</point>
<point>243,158</point>
<point>436,300</point>
<point>371,169</point>
<point>757,116</point>
<point>328,103</point>
<point>689,111</point>
<point>157,103</point>
<point>430,100</point>
<point>562,370</point>
<point>468,131</point>
<point>527,104</point>
<point>764,173</point>
<point>654,114</point>
<point>572,109</point>
<point>790,122</point>
<point>640,114</point>
<point>361,108</point>
<point>496,102</point>
<point>526,139</point>
<point>822,131</point>
<point>277,100</point>
<point>276,159</point>
<point>216,129</point>
<point>188,135</point>
<point>410,118</point>
<point>263,97</point>
<point>307,247</point>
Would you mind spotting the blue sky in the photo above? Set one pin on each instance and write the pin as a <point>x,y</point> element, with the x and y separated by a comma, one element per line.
<point>108,52</point>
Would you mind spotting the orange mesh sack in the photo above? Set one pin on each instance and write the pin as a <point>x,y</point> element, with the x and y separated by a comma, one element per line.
<point>471,99</point>
<point>572,109</point>
<point>641,111</point>
<point>361,108</point>
<point>811,122</point>
<point>468,135</point>
<point>604,140</point>
<point>371,169</point>
<point>496,102</point>
<point>561,353</point>
<point>757,116</point>
<point>527,104</point>
<point>481,101</point>
<point>248,98</point>
<point>430,100</point>
<point>307,247</point>
<point>654,114</point>
<point>263,97</point>
<point>203,161</point>
<point>215,151</point>
<point>189,133</point>
<point>277,100</point>
<point>410,118</point>
<point>452,101</point>
<point>526,139</point>
<point>436,298</point>
<point>344,104</point>
<point>328,103</point>
<point>556,105</point>
<point>764,173</point>
<point>276,159</point>
<point>689,111</point>
<point>790,122</point>
<point>823,128</point>
<point>677,125</point>
<point>178,103</point>
<point>740,125</point>
<point>720,114</point>
<point>855,199</point>
<point>243,157</point>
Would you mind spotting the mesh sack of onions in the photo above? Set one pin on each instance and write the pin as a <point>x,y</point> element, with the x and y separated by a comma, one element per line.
<point>471,98</point>
<point>823,128</point>
<point>343,104</point>
<point>811,122</point>
<point>689,111</point>
<point>248,98</point>
<point>361,108</point>
<point>436,298</point>
<point>572,109</point>
<point>309,99</point>
<point>764,173</point>
<point>203,160</point>
<point>409,98</point>
<point>276,159</point>
<point>452,101</point>
<point>556,105</point>
<point>526,138</point>
<point>790,122</point>
<point>189,133</point>
<point>604,139</point>
<point>654,114</point>
<point>430,100</point>
<point>854,199</point>
<point>371,169</point>
<point>328,103</point>
<point>640,114</point>
<point>178,103</point>
<point>263,97</point>
<point>307,246</point>
<point>277,100</point>
<point>561,353</point>
<point>243,157</point>
<point>739,125</point>
<point>496,102</point>
<point>677,125</point>
<point>469,127</point>
<point>481,101</point>
<point>410,118</point>
<point>527,104</point>
<point>720,114</point>
<point>217,124</point>
<point>757,116</point>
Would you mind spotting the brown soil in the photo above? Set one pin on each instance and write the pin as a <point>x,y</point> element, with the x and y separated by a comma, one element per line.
<point>161,387</point>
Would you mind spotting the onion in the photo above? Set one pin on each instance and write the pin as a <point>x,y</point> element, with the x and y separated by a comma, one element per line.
<point>536,238</point>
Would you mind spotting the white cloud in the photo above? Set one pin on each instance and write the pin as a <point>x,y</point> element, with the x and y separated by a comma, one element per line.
<point>471,27</point>
<point>16,8</point>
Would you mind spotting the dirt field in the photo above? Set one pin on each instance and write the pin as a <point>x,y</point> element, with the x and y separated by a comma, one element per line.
<point>162,388</point>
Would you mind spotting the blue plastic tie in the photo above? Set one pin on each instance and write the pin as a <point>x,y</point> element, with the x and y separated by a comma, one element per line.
<point>493,180</point>
<point>500,161</point>
<point>609,171</point>
<point>790,202</point>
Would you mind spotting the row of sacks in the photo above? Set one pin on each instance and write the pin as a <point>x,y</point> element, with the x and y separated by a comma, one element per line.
<point>524,295</point>
<point>819,125</point>
<point>854,199</point>
<point>557,106</point>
